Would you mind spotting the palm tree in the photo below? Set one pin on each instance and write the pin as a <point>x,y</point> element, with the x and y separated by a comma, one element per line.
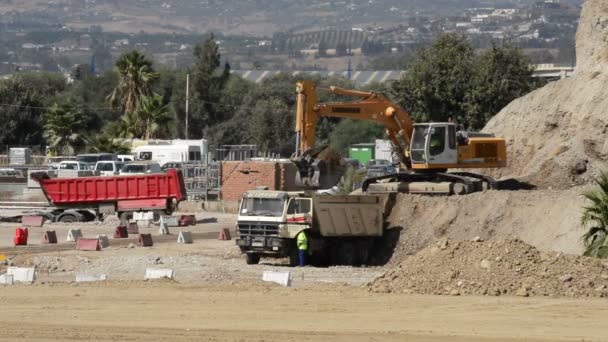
<point>595,216</point>
<point>154,116</point>
<point>102,143</point>
<point>135,79</point>
<point>62,129</point>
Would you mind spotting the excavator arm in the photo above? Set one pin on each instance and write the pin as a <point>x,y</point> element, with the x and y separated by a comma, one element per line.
<point>368,106</point>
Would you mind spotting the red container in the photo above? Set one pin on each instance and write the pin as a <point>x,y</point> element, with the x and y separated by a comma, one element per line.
<point>117,189</point>
<point>20,238</point>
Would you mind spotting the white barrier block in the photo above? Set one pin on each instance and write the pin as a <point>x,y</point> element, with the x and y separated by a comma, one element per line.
<point>143,215</point>
<point>283,278</point>
<point>163,229</point>
<point>22,274</point>
<point>6,279</point>
<point>81,278</point>
<point>170,221</point>
<point>74,234</point>
<point>158,273</point>
<point>104,242</point>
<point>143,223</point>
<point>184,237</point>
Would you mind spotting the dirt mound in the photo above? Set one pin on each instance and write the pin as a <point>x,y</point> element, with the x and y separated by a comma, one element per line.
<point>507,267</point>
<point>557,135</point>
<point>546,219</point>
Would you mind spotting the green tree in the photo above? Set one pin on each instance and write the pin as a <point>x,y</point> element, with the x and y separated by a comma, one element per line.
<point>595,217</point>
<point>62,129</point>
<point>208,82</point>
<point>23,97</point>
<point>102,143</point>
<point>128,126</point>
<point>154,117</point>
<point>436,84</point>
<point>349,132</point>
<point>136,76</point>
<point>501,74</point>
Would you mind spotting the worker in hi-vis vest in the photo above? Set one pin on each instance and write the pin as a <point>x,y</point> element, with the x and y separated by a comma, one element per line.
<point>302,243</point>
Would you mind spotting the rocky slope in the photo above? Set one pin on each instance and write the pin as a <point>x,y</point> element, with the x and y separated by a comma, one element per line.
<point>557,135</point>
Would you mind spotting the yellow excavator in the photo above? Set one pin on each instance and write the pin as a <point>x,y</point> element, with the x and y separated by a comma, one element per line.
<point>425,150</point>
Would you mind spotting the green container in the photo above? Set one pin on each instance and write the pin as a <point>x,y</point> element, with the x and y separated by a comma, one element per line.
<point>361,152</point>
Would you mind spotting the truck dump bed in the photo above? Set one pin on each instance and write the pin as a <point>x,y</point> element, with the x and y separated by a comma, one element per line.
<point>351,215</point>
<point>112,189</point>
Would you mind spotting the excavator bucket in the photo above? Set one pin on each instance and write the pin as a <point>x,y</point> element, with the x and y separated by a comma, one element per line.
<point>318,168</point>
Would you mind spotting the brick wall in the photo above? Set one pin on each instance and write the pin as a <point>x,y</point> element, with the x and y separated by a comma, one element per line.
<point>241,176</point>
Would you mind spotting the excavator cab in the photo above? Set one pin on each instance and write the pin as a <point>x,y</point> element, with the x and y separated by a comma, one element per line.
<point>434,146</point>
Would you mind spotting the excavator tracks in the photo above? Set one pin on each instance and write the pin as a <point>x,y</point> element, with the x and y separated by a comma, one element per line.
<point>432,183</point>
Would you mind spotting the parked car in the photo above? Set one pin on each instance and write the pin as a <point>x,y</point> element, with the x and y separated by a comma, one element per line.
<point>109,167</point>
<point>75,165</point>
<point>140,167</point>
<point>378,167</point>
<point>95,157</point>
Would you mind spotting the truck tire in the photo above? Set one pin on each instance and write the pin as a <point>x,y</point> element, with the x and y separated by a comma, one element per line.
<point>68,218</point>
<point>348,254</point>
<point>252,258</point>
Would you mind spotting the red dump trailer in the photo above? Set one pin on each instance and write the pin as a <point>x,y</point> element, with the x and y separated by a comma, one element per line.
<point>104,195</point>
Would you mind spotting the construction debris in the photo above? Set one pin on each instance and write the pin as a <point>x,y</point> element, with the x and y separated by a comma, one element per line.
<point>507,267</point>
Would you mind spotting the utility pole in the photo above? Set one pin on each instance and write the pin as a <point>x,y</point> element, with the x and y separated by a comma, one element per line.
<point>187,99</point>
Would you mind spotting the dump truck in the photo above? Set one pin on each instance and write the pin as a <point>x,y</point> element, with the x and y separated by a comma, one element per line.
<point>341,229</point>
<point>86,198</point>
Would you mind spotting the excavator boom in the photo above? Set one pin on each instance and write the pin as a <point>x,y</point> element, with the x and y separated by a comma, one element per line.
<point>428,149</point>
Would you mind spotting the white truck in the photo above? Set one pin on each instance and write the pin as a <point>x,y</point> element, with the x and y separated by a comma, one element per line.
<point>341,230</point>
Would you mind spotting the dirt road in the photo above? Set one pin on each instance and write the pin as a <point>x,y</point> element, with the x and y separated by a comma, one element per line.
<point>154,311</point>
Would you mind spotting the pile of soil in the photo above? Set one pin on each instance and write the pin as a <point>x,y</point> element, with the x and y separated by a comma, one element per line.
<point>546,219</point>
<point>504,267</point>
<point>557,135</point>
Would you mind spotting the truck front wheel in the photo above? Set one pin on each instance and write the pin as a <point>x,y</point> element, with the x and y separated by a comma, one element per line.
<point>252,258</point>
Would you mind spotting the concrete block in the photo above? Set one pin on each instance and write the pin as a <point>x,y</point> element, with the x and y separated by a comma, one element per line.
<point>6,279</point>
<point>32,220</point>
<point>133,228</point>
<point>145,240</point>
<point>144,223</point>
<point>22,274</point>
<point>159,273</point>
<point>170,221</point>
<point>49,237</point>
<point>163,229</point>
<point>224,234</point>
<point>83,244</point>
<point>83,278</point>
<point>282,278</point>
<point>184,237</point>
<point>186,220</point>
<point>143,215</point>
<point>74,234</point>
<point>121,232</point>
<point>104,242</point>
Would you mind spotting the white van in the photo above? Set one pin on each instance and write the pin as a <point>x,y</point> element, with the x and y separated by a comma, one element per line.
<point>169,153</point>
<point>140,168</point>
<point>126,158</point>
<point>108,167</point>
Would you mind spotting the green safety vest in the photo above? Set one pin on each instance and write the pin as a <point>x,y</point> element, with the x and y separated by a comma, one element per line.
<point>302,241</point>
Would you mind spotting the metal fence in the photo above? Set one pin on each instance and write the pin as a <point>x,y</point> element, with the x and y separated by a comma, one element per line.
<point>202,180</point>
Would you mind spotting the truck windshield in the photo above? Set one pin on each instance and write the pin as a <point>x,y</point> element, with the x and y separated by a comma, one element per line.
<point>262,206</point>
